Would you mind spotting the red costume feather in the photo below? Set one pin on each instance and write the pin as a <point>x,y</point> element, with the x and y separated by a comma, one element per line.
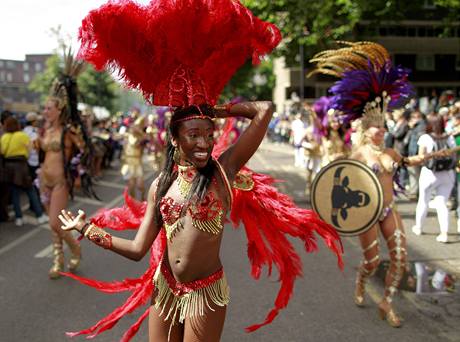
<point>182,53</point>
<point>178,53</point>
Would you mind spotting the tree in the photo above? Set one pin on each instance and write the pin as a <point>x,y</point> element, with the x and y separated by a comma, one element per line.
<point>314,24</point>
<point>251,82</point>
<point>96,88</point>
<point>318,24</point>
<point>42,81</point>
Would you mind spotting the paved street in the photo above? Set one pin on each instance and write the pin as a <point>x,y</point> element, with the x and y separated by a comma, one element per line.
<point>34,308</point>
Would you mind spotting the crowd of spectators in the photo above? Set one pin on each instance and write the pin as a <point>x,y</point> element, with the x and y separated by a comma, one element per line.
<point>107,137</point>
<point>410,131</point>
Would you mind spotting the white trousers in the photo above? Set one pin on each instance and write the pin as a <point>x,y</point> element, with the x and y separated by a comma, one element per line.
<point>299,157</point>
<point>441,183</point>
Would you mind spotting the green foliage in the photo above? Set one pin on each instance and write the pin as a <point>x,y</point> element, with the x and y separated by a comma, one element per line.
<point>96,88</point>
<point>251,82</point>
<point>126,99</point>
<point>317,24</point>
<point>314,24</point>
<point>42,82</point>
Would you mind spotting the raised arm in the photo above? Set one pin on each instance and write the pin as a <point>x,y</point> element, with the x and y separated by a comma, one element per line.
<point>237,155</point>
<point>131,249</point>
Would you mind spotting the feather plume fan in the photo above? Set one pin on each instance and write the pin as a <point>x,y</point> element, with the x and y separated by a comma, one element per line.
<point>353,56</point>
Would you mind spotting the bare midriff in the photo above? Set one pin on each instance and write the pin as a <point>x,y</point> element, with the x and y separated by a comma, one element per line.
<point>52,171</point>
<point>386,180</point>
<point>385,176</point>
<point>192,253</point>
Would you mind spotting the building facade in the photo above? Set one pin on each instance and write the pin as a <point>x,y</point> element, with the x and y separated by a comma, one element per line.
<point>15,77</point>
<point>434,59</point>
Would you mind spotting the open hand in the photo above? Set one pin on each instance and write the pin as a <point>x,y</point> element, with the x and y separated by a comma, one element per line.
<point>69,221</point>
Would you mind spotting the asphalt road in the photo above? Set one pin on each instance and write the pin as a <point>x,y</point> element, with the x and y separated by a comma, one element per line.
<point>34,308</point>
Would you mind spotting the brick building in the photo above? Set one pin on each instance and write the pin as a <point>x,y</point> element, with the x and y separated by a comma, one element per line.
<point>15,77</point>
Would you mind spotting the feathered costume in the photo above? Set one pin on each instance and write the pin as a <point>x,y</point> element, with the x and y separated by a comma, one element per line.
<point>181,53</point>
<point>369,86</point>
<point>64,89</point>
<point>369,83</point>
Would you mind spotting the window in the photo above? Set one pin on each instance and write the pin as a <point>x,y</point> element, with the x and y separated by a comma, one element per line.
<point>421,32</point>
<point>1,64</point>
<point>9,77</point>
<point>2,76</point>
<point>26,66</point>
<point>10,64</point>
<point>425,62</point>
<point>26,78</point>
<point>38,67</point>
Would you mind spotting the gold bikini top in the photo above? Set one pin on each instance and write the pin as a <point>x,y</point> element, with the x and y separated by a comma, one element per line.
<point>207,214</point>
<point>53,145</point>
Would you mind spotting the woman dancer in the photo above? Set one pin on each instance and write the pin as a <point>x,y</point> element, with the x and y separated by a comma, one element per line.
<point>62,140</point>
<point>200,182</point>
<point>193,231</point>
<point>369,86</point>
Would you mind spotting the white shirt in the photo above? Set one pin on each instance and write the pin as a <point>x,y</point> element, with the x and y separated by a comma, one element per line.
<point>298,131</point>
<point>428,142</point>
<point>32,132</point>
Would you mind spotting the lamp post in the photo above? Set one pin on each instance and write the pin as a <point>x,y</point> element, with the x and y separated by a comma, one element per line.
<point>305,32</point>
<point>302,75</point>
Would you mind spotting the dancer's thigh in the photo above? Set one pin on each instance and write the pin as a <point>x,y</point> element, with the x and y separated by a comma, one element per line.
<point>58,201</point>
<point>159,328</point>
<point>206,328</point>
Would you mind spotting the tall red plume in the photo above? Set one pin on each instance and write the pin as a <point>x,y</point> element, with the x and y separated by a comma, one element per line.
<point>178,53</point>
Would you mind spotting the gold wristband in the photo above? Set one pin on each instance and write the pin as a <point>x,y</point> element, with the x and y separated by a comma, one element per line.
<point>99,236</point>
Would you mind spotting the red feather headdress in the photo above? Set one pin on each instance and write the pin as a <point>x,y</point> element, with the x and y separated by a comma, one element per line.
<point>178,53</point>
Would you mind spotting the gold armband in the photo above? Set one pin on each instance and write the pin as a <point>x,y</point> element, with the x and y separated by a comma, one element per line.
<point>99,236</point>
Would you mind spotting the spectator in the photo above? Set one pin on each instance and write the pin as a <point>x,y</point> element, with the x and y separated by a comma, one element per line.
<point>15,146</point>
<point>31,130</point>
<point>400,143</point>
<point>434,178</point>
<point>298,133</point>
<point>4,187</point>
<point>456,135</point>
<point>417,127</point>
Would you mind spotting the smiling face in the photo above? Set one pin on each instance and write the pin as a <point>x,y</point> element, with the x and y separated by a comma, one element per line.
<point>195,141</point>
<point>376,134</point>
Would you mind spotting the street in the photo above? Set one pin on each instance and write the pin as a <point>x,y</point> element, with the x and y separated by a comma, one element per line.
<point>34,308</point>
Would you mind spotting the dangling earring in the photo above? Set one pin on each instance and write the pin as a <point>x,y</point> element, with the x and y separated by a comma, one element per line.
<point>176,155</point>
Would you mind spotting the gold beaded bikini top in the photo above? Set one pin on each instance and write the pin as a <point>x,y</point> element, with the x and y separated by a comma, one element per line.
<point>206,215</point>
<point>53,145</point>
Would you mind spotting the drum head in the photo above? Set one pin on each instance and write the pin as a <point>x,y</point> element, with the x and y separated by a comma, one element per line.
<point>347,195</point>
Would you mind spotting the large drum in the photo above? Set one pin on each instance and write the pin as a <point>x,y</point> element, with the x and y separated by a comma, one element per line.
<point>347,195</point>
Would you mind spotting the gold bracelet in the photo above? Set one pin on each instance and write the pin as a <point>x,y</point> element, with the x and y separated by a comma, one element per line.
<point>99,236</point>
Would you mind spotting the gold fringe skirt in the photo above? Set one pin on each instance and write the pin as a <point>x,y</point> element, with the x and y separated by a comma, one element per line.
<point>178,301</point>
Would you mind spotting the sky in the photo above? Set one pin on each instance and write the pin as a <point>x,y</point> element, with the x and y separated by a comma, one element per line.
<point>25,25</point>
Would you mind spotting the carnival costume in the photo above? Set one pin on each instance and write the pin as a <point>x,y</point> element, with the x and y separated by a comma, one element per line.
<point>131,168</point>
<point>187,63</point>
<point>64,92</point>
<point>333,141</point>
<point>370,85</point>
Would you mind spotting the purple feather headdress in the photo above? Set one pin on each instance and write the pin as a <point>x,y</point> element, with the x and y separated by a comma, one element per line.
<point>369,84</point>
<point>388,87</point>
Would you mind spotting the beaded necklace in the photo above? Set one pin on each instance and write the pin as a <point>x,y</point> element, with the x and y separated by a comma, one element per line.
<point>206,215</point>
